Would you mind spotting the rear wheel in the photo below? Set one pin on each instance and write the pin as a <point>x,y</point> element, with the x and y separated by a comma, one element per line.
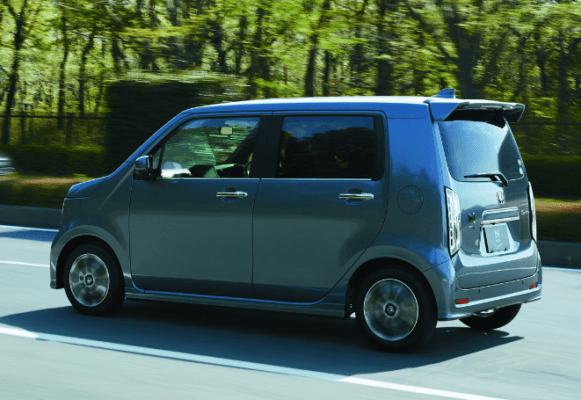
<point>93,281</point>
<point>395,309</point>
<point>492,319</point>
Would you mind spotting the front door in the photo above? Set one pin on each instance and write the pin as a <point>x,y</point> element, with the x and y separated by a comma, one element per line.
<point>191,228</point>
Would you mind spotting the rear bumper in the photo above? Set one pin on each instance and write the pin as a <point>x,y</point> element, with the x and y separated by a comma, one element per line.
<point>446,289</point>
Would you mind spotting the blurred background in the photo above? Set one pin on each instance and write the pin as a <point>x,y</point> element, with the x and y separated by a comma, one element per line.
<point>84,83</point>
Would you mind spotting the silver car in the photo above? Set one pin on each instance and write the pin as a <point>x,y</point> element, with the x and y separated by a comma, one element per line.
<point>400,210</point>
<point>5,165</point>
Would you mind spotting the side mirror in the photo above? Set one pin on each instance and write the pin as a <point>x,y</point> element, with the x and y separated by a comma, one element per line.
<point>144,168</point>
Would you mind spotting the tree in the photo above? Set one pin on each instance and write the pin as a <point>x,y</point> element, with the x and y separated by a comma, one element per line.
<point>24,14</point>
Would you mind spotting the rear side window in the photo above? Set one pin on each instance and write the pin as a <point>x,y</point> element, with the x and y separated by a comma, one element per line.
<point>327,147</point>
<point>480,143</point>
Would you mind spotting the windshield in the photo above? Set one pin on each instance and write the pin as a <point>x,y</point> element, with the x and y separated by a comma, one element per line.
<point>477,147</point>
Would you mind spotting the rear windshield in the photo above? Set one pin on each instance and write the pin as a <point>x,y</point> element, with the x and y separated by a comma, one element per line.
<point>480,142</point>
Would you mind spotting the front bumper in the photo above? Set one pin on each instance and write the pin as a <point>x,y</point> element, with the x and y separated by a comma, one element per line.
<point>446,289</point>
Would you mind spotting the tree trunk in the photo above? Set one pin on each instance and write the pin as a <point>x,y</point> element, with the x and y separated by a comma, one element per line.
<point>13,78</point>
<point>310,74</point>
<point>82,68</point>
<point>62,72</point>
<point>256,53</point>
<point>326,73</point>
<point>242,25</point>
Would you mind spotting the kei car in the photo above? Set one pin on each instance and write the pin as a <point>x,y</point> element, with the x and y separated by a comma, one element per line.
<point>403,211</point>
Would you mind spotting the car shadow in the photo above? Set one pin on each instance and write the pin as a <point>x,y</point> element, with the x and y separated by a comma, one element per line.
<point>320,345</point>
<point>29,234</point>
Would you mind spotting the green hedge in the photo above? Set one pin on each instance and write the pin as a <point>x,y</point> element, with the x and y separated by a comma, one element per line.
<point>141,103</point>
<point>58,160</point>
<point>554,176</point>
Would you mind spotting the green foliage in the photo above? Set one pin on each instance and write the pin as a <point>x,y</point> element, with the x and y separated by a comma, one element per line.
<point>557,176</point>
<point>56,159</point>
<point>520,51</point>
<point>142,103</point>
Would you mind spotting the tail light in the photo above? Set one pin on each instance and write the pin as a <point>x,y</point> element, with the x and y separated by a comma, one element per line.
<point>533,213</point>
<point>453,213</point>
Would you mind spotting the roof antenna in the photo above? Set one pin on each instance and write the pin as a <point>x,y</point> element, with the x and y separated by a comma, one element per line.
<point>446,94</point>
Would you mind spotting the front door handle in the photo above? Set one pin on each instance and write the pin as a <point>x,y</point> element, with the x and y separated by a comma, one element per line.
<point>235,194</point>
<point>356,196</point>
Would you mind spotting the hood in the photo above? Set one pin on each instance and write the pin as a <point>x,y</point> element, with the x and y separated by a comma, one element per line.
<point>84,189</point>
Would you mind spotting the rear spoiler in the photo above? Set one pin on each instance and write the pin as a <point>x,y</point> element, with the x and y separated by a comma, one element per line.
<point>442,108</point>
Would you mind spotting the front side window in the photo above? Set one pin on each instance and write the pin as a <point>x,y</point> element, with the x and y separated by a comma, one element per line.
<point>209,148</point>
<point>340,147</point>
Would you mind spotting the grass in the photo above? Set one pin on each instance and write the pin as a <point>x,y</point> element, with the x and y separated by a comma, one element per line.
<point>35,190</point>
<point>558,219</point>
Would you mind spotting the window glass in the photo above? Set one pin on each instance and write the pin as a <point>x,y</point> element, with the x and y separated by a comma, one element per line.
<point>327,147</point>
<point>209,148</point>
<point>475,146</point>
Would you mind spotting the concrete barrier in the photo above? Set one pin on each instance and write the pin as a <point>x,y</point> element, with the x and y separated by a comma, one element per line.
<point>557,254</point>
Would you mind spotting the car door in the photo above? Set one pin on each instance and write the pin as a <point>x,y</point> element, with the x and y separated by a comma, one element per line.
<point>320,204</point>
<point>191,228</point>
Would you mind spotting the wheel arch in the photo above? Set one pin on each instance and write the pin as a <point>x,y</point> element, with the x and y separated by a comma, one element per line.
<point>71,246</point>
<point>371,266</point>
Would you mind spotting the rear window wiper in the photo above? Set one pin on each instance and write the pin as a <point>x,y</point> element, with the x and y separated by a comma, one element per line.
<point>495,176</point>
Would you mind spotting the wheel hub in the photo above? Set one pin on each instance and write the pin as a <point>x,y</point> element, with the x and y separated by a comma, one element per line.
<point>390,309</point>
<point>89,280</point>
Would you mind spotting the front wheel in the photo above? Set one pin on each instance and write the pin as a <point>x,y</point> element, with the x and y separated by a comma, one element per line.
<point>395,309</point>
<point>492,319</point>
<point>93,281</point>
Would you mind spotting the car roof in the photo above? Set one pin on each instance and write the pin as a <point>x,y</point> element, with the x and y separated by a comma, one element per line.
<point>437,108</point>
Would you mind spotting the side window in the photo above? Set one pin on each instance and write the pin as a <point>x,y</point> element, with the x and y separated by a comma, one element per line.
<point>327,147</point>
<point>209,148</point>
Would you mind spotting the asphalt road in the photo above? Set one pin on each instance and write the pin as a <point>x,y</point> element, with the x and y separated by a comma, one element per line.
<point>161,350</point>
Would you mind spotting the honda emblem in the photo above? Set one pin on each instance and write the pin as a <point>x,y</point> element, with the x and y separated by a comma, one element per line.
<point>500,197</point>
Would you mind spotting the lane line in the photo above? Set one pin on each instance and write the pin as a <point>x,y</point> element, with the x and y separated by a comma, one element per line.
<point>23,263</point>
<point>29,229</point>
<point>572,269</point>
<point>238,364</point>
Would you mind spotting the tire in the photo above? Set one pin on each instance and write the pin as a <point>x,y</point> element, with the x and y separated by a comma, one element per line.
<point>93,280</point>
<point>492,320</point>
<point>395,309</point>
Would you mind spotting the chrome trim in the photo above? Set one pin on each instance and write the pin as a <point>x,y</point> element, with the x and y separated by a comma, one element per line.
<point>500,220</point>
<point>356,196</point>
<point>236,194</point>
<point>500,211</point>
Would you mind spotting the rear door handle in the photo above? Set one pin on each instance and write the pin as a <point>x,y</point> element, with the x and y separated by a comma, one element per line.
<point>356,196</point>
<point>236,194</point>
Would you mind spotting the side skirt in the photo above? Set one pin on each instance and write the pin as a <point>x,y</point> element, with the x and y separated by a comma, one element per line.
<point>322,307</point>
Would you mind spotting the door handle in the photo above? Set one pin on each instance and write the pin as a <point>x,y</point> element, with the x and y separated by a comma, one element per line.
<point>235,194</point>
<point>356,196</point>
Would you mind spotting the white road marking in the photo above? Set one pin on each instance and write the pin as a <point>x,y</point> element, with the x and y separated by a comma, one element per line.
<point>28,228</point>
<point>23,263</point>
<point>238,364</point>
<point>572,269</point>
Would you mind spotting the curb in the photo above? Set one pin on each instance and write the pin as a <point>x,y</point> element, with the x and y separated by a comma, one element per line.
<point>558,254</point>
